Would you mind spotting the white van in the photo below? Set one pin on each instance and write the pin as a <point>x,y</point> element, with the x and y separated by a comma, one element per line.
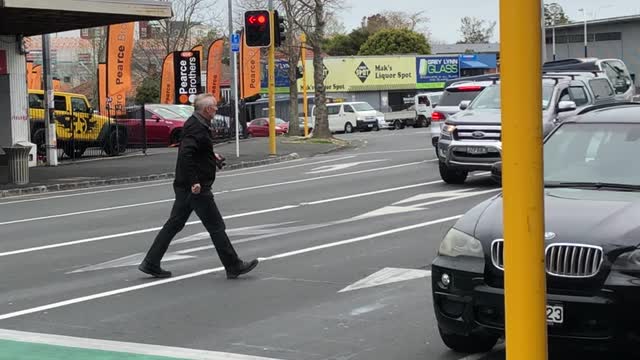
<point>348,116</point>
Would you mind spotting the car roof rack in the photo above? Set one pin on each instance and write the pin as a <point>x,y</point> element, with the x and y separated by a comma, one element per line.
<point>607,105</point>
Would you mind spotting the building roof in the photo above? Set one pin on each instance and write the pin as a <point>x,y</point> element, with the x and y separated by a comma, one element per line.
<point>464,48</point>
<point>605,21</point>
<point>58,43</point>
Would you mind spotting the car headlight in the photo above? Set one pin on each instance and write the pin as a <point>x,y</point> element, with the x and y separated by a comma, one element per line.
<point>448,129</point>
<point>628,262</point>
<point>456,243</point>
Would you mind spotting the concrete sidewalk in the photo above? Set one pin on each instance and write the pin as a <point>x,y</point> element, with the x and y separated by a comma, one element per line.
<point>158,164</point>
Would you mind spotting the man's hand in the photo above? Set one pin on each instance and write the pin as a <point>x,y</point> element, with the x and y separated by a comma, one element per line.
<point>195,189</point>
<point>220,160</point>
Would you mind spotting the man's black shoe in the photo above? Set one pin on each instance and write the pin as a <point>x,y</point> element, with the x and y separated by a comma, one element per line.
<point>244,268</point>
<point>155,271</point>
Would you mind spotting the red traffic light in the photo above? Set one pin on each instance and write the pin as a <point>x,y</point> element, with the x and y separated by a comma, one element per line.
<point>262,19</point>
<point>257,28</point>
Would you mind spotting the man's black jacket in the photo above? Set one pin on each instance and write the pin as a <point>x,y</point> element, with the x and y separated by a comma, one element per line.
<point>196,159</point>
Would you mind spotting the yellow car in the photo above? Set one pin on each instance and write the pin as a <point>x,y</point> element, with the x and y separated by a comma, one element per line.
<point>77,127</point>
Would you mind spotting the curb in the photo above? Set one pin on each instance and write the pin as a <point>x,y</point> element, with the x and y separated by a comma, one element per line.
<point>135,179</point>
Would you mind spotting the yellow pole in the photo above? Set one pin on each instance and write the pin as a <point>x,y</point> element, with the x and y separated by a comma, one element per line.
<point>303,56</point>
<point>272,87</point>
<point>522,185</point>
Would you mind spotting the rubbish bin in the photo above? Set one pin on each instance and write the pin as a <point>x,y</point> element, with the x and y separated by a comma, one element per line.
<point>18,161</point>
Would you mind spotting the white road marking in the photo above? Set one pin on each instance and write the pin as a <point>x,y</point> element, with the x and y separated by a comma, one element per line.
<point>136,232</point>
<point>130,260</point>
<point>158,182</point>
<point>257,212</point>
<point>286,167</point>
<point>387,276</point>
<point>220,269</point>
<point>122,347</point>
<point>395,151</point>
<point>338,167</point>
<point>216,193</point>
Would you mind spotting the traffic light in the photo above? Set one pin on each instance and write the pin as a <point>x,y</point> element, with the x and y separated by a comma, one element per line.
<point>279,29</point>
<point>257,28</point>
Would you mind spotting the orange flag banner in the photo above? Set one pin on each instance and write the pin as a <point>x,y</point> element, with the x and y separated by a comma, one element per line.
<point>102,88</point>
<point>214,67</point>
<point>35,78</point>
<point>250,70</point>
<point>119,54</point>
<point>168,84</point>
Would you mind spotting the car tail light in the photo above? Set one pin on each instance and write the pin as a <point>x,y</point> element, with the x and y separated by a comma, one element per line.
<point>470,88</point>
<point>437,116</point>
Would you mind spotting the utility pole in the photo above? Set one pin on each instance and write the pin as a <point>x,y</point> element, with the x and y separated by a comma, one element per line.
<point>303,56</point>
<point>272,82</point>
<point>49,104</point>
<point>234,66</point>
<point>523,186</point>
<point>586,41</point>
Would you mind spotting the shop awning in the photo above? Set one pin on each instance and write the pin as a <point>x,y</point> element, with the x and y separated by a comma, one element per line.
<point>471,64</point>
<point>34,17</point>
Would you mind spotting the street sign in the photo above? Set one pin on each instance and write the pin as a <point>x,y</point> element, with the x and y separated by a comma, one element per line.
<point>235,42</point>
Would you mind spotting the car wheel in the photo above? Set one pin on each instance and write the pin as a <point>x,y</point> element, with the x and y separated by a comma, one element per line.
<point>348,128</point>
<point>116,143</point>
<point>470,344</point>
<point>74,152</point>
<point>376,127</point>
<point>38,138</point>
<point>451,176</point>
<point>397,125</point>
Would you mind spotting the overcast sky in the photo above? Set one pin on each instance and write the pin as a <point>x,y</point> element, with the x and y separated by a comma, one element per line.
<point>445,15</point>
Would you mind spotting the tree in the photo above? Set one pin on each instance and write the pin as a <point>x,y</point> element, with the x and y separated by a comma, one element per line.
<point>396,42</point>
<point>476,31</point>
<point>181,32</point>
<point>347,45</point>
<point>554,14</point>
<point>149,91</point>
<point>374,23</point>
<point>313,21</point>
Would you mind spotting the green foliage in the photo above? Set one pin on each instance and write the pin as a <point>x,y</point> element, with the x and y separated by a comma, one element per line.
<point>346,45</point>
<point>396,42</point>
<point>476,31</point>
<point>149,91</point>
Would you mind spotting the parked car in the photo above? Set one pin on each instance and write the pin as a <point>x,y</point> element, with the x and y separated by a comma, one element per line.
<point>77,126</point>
<point>163,123</point>
<point>592,248</point>
<point>449,103</point>
<point>472,139</point>
<point>349,116</point>
<point>260,127</point>
<point>614,69</point>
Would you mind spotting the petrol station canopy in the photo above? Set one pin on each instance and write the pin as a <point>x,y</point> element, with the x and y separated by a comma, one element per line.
<point>33,17</point>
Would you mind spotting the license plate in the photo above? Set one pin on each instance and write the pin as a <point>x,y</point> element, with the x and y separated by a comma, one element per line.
<point>370,125</point>
<point>476,150</point>
<point>555,314</point>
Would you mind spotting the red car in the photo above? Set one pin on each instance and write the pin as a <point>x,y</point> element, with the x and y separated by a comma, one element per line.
<point>163,125</point>
<point>260,127</point>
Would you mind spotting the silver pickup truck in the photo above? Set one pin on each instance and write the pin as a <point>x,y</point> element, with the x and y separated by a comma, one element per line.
<point>471,140</point>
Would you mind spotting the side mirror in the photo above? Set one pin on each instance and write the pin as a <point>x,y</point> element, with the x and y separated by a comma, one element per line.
<point>464,104</point>
<point>496,172</point>
<point>564,106</point>
<point>155,117</point>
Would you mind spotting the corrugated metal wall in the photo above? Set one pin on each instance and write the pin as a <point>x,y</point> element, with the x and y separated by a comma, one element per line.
<point>15,116</point>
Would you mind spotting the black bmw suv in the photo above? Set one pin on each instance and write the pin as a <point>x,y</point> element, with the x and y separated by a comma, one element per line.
<point>592,243</point>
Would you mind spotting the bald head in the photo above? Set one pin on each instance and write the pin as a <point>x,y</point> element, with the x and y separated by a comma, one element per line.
<point>206,105</point>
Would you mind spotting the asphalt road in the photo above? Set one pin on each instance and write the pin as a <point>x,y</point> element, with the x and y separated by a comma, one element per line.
<point>345,239</point>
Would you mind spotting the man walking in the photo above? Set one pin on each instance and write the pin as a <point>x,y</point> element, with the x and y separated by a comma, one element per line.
<point>195,174</point>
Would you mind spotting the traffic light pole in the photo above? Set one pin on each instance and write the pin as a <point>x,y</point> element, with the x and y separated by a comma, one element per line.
<point>272,82</point>
<point>303,56</point>
<point>522,184</point>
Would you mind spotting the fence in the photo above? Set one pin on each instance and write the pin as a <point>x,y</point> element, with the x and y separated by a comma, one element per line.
<point>84,135</point>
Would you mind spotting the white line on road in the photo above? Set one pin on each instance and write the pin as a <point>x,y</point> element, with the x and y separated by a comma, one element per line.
<point>287,167</point>
<point>216,193</point>
<point>220,269</point>
<point>122,347</point>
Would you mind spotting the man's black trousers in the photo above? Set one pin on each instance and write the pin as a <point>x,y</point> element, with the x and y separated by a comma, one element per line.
<point>205,207</point>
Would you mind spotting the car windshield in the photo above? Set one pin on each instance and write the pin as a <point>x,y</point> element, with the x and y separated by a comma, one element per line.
<point>593,154</point>
<point>362,107</point>
<point>434,98</point>
<point>454,98</point>
<point>168,114</point>
<point>490,98</point>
